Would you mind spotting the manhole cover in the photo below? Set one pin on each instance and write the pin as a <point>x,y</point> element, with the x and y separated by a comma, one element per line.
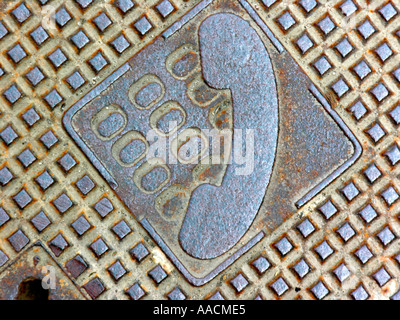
<point>199,149</point>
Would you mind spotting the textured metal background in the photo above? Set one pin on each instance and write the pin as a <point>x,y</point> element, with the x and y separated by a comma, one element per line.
<point>342,245</point>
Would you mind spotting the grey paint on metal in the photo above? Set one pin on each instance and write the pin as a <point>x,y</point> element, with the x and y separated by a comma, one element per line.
<point>202,5</point>
<point>233,56</point>
<point>357,149</point>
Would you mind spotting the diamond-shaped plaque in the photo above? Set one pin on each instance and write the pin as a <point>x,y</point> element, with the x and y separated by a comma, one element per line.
<point>209,133</point>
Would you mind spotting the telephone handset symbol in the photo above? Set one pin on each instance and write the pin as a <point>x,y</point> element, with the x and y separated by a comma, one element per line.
<point>234,57</point>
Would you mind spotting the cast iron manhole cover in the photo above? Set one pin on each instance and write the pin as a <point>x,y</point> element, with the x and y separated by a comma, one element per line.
<point>199,149</point>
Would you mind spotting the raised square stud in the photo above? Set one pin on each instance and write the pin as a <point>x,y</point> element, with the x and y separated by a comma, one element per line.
<point>360,293</point>
<point>304,43</point>
<point>120,44</point>
<point>18,240</point>
<point>342,272</point>
<point>117,270</point>
<point>40,221</point>
<point>21,13</point>
<point>306,228</point>
<point>76,266</point>
<point>136,292</point>
<point>98,62</point>
<point>30,116</point>
<point>44,180</point>
<point>39,35</point>
<point>8,135</point>
<point>165,8</point>
<point>139,252</point>
<point>283,246</point>
<point>22,199</point>
<point>158,274</point>
<point>102,21</point>
<point>94,288</point>
<point>58,244</point>
<point>81,225</point>
<point>261,264</point>
<point>63,203</point>
<point>324,250</point>
<point>103,207</point>
<point>85,184</point>
<point>280,286</point>
<point>239,283</point>
<point>53,99</point>
<point>99,247</point>
<point>5,177</point>
<point>320,291</point>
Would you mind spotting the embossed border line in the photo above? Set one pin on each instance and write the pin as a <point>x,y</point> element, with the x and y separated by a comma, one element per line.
<point>104,85</point>
<point>278,45</point>
<point>186,18</point>
<point>67,119</point>
<point>357,149</point>
<point>189,277</point>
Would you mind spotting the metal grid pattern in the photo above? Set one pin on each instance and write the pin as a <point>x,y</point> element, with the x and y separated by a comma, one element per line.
<point>342,245</point>
<point>358,44</point>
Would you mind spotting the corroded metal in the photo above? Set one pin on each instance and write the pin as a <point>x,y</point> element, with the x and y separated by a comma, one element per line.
<point>188,207</point>
<point>91,209</point>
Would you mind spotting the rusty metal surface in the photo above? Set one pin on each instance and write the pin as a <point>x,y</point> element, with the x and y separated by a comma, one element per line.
<point>83,83</point>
